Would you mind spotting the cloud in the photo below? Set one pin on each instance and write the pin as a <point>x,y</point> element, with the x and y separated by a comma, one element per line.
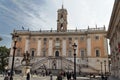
<point>5,35</point>
<point>34,14</point>
<point>82,13</point>
<point>42,14</point>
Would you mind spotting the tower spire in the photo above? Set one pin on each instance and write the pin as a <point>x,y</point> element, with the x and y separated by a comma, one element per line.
<point>62,4</point>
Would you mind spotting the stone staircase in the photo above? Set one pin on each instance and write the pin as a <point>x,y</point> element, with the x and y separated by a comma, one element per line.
<point>83,67</point>
<point>39,64</point>
<point>66,65</point>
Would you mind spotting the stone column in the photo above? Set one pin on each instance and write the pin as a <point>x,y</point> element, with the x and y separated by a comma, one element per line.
<point>105,46</point>
<point>64,47</point>
<point>39,47</point>
<point>27,45</point>
<point>89,46</point>
<point>50,49</point>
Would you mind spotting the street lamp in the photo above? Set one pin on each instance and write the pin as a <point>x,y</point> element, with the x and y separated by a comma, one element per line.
<point>105,68</point>
<point>101,67</point>
<point>14,37</point>
<point>101,70</point>
<point>74,48</point>
<point>109,59</point>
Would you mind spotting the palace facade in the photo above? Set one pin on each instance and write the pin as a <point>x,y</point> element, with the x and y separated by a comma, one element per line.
<point>114,37</point>
<point>53,50</point>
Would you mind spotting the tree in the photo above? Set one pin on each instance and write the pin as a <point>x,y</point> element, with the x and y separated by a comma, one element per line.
<point>0,39</point>
<point>4,54</point>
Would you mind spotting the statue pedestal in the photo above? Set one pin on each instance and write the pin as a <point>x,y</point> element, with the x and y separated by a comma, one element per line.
<point>25,70</point>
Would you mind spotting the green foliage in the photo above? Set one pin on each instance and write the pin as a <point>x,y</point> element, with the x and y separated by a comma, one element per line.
<point>4,54</point>
<point>0,39</point>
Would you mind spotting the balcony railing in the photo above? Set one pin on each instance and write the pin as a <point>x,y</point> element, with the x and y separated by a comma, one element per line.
<point>68,31</point>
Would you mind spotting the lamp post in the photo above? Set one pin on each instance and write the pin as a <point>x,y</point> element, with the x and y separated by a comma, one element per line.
<point>101,70</point>
<point>74,48</point>
<point>105,67</point>
<point>79,69</point>
<point>101,67</point>
<point>109,59</point>
<point>14,37</point>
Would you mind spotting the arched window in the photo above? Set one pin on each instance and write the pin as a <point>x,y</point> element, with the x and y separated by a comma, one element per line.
<point>45,41</point>
<point>32,52</point>
<point>57,54</point>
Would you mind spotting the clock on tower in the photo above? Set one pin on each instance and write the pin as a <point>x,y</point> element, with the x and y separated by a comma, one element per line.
<point>62,20</point>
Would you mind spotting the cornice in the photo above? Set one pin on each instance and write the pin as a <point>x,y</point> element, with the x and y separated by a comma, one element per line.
<point>113,18</point>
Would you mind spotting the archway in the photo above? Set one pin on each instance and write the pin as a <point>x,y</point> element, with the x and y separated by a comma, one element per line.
<point>57,54</point>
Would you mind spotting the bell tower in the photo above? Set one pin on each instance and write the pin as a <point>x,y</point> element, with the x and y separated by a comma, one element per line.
<point>62,20</point>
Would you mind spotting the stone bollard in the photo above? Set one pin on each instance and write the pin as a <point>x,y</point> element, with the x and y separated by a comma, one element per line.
<point>51,77</point>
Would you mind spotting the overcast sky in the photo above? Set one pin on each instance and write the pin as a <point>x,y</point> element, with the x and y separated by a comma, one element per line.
<point>42,14</point>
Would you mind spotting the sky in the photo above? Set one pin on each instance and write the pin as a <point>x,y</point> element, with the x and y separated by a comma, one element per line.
<point>42,14</point>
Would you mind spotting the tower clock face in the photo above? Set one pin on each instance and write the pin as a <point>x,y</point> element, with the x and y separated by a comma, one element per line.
<point>61,20</point>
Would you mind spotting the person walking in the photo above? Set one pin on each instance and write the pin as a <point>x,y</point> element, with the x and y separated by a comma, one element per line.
<point>28,76</point>
<point>72,74</point>
<point>68,76</point>
<point>59,77</point>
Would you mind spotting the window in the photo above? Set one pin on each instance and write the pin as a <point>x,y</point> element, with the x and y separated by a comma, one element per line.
<point>57,54</point>
<point>70,41</point>
<point>82,52</point>
<point>32,53</point>
<point>82,38</point>
<point>19,39</point>
<point>57,40</point>
<point>57,43</point>
<point>97,52</point>
<point>96,37</point>
<point>45,41</point>
<point>61,26</point>
<point>18,52</point>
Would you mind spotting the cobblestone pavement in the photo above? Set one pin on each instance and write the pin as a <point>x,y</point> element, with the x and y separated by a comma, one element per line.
<point>17,77</point>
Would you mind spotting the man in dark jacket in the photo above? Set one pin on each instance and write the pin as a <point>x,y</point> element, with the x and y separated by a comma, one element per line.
<point>59,77</point>
<point>28,76</point>
<point>68,76</point>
